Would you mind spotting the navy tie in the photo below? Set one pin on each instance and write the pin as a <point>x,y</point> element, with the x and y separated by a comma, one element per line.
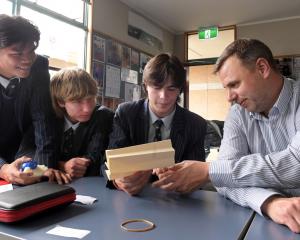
<point>68,142</point>
<point>157,125</point>
<point>11,89</point>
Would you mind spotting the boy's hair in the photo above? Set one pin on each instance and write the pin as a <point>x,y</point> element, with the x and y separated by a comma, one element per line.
<point>71,84</point>
<point>161,67</point>
<point>16,29</point>
<point>247,51</point>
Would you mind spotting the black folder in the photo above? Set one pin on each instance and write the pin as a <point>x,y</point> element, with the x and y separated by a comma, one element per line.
<point>23,202</point>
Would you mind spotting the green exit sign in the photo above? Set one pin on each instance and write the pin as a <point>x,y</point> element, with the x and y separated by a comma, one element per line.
<point>208,32</point>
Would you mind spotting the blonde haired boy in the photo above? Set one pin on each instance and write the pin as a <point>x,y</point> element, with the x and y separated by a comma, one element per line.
<point>84,126</point>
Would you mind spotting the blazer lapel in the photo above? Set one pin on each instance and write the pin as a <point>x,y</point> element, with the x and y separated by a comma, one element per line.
<point>80,134</point>
<point>177,133</point>
<point>143,123</point>
<point>21,103</point>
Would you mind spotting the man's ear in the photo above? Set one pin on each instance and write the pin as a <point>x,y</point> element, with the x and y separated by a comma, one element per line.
<point>263,67</point>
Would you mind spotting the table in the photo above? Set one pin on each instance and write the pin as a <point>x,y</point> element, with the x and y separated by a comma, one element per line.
<point>200,215</point>
<point>263,228</point>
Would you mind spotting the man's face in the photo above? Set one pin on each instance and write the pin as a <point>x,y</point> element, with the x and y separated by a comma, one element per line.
<point>79,110</point>
<point>245,86</point>
<point>162,100</point>
<point>16,60</point>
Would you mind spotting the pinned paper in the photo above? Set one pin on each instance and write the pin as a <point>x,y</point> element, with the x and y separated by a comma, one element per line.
<point>86,200</point>
<point>68,232</point>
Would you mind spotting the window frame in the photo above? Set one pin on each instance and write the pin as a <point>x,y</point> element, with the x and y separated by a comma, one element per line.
<point>202,61</point>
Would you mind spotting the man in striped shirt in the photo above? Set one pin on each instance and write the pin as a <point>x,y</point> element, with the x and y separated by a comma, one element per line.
<point>259,157</point>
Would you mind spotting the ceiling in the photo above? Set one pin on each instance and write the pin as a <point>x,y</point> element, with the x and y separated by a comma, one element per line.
<point>180,16</point>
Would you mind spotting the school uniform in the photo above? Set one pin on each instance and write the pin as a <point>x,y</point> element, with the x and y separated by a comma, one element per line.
<point>27,112</point>
<point>88,140</point>
<point>131,126</point>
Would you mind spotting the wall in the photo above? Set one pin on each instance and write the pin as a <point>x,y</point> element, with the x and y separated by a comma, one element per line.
<point>179,46</point>
<point>283,37</point>
<point>110,17</point>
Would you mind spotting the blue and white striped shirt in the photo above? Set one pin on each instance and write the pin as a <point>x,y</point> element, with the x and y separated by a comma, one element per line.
<point>260,156</point>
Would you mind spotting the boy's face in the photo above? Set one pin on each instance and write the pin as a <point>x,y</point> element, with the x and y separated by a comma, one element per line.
<point>79,110</point>
<point>16,60</point>
<point>162,100</point>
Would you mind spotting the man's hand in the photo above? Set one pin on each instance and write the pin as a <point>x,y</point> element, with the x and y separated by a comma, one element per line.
<point>75,167</point>
<point>184,177</point>
<point>134,183</point>
<point>57,176</point>
<point>11,173</point>
<point>284,211</point>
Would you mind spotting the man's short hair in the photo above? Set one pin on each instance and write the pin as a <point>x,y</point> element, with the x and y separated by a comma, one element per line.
<point>247,51</point>
<point>71,84</point>
<point>161,67</point>
<point>16,29</point>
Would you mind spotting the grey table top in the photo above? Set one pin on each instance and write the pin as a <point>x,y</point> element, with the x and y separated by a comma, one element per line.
<point>200,215</point>
<point>266,229</point>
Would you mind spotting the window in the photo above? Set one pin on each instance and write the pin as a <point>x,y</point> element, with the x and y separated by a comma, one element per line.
<point>63,28</point>
<point>6,7</point>
<point>63,7</point>
<point>206,95</point>
<point>56,42</point>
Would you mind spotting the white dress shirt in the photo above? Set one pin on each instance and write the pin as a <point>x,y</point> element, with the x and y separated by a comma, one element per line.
<point>260,156</point>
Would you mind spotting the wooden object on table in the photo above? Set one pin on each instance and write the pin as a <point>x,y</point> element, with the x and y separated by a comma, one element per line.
<point>123,162</point>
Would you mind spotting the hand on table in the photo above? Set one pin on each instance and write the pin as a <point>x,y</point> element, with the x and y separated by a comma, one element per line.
<point>58,176</point>
<point>284,211</point>
<point>75,167</point>
<point>134,183</point>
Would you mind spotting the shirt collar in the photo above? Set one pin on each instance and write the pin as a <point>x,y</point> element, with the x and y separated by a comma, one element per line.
<point>166,120</point>
<point>4,81</point>
<point>285,96</point>
<point>282,102</point>
<point>69,124</point>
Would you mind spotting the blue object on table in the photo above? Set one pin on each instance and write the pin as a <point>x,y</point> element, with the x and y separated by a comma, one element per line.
<point>31,164</point>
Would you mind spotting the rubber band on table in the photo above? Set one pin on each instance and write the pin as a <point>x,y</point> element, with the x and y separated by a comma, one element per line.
<point>150,226</point>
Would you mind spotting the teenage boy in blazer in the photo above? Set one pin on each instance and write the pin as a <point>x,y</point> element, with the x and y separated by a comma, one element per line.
<point>25,104</point>
<point>84,127</point>
<point>164,79</point>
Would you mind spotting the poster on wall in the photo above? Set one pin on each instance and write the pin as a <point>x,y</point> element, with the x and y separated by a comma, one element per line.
<point>144,58</point>
<point>125,75</point>
<point>98,48</point>
<point>114,52</point>
<point>132,92</point>
<point>137,93</point>
<point>98,74</point>
<point>296,68</point>
<point>113,82</point>
<point>135,60</point>
<point>118,69</point>
<point>133,77</point>
<point>129,76</point>
<point>125,57</point>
